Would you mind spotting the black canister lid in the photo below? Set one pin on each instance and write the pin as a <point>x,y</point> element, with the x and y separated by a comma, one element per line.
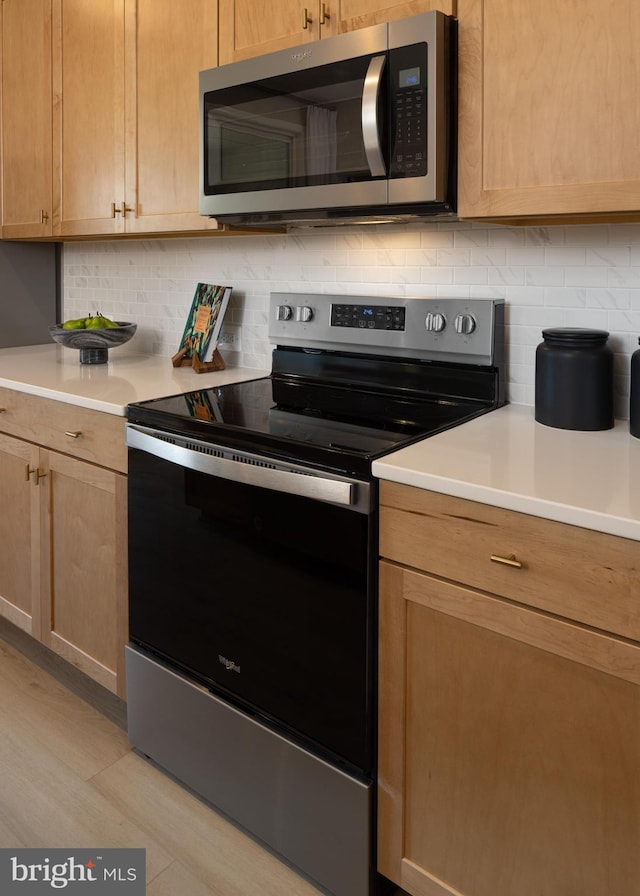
<point>576,336</point>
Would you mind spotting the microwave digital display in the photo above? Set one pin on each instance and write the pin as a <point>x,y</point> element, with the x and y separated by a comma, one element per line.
<point>410,77</point>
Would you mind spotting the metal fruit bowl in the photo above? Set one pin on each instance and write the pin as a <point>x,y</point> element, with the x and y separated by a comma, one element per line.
<point>94,345</point>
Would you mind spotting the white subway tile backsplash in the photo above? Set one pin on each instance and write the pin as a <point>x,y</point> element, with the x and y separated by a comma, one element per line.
<point>584,276</point>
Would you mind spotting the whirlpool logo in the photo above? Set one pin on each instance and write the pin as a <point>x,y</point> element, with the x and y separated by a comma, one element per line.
<point>106,871</point>
<point>229,665</point>
<point>300,57</point>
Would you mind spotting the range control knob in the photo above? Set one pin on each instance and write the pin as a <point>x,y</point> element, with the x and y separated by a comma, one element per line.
<point>304,313</point>
<point>284,312</point>
<point>465,324</point>
<point>435,322</point>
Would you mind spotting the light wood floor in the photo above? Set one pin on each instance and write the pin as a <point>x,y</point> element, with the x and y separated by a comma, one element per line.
<point>68,778</point>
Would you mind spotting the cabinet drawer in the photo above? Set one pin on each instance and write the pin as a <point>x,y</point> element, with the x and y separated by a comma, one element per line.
<point>89,435</point>
<point>576,573</point>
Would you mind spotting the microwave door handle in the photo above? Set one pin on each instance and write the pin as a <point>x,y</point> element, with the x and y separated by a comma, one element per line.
<point>370,124</point>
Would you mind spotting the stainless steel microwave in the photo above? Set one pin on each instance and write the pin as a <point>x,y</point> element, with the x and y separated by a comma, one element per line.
<point>357,127</point>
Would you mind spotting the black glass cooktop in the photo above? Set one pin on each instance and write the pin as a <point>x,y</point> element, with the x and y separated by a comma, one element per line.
<point>340,427</point>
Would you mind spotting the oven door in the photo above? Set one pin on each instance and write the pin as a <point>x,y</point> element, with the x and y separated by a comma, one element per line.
<point>257,582</point>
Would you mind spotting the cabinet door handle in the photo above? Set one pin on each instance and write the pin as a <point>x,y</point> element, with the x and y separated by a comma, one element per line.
<point>507,561</point>
<point>44,217</point>
<point>306,19</point>
<point>3,410</point>
<point>74,435</point>
<point>39,476</point>
<point>324,15</point>
<point>124,208</point>
<point>114,210</point>
<point>27,472</point>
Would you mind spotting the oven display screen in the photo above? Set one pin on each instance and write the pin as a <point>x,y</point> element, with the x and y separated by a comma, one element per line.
<point>368,317</point>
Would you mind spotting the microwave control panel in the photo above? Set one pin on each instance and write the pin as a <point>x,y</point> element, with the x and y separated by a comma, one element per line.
<point>408,81</point>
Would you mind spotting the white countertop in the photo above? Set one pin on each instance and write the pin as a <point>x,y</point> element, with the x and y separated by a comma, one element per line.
<point>505,458</point>
<point>52,371</point>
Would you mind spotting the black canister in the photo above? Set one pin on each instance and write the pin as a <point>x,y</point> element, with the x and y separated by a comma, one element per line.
<point>634,403</point>
<point>574,379</point>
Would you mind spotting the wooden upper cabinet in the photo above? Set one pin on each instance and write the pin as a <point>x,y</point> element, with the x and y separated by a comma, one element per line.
<point>245,32</point>
<point>26,118</point>
<point>88,117</point>
<point>126,114</point>
<point>167,45</point>
<point>548,108</point>
<point>249,30</point>
<point>353,14</point>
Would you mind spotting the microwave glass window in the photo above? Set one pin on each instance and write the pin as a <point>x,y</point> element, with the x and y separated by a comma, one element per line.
<point>294,130</point>
<point>271,154</point>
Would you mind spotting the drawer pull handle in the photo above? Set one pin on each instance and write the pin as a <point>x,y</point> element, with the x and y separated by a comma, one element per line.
<point>3,410</point>
<point>507,561</point>
<point>74,435</point>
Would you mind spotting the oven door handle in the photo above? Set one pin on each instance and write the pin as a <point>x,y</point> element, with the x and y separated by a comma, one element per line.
<point>307,485</point>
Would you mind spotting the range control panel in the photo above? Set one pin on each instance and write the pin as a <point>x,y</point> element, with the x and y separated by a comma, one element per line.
<point>368,317</point>
<point>454,330</point>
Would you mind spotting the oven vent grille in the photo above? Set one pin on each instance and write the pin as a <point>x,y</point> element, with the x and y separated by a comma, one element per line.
<point>219,451</point>
<point>253,461</point>
<point>204,449</point>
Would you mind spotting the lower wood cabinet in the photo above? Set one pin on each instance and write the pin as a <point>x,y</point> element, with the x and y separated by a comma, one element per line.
<point>509,736</point>
<point>63,535</point>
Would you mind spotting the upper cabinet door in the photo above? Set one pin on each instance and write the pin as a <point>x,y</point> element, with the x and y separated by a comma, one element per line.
<point>245,32</point>
<point>167,45</point>
<point>88,117</point>
<point>249,29</point>
<point>548,108</point>
<point>26,118</point>
<point>352,14</point>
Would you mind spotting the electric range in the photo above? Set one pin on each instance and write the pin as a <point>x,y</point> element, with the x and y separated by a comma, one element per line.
<point>253,557</point>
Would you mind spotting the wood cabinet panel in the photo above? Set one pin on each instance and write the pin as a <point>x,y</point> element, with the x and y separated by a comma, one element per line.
<point>548,119</point>
<point>583,575</point>
<point>249,29</point>
<point>353,14</point>
<point>88,116</point>
<point>84,524</point>
<point>84,433</point>
<point>126,114</point>
<point>63,531</point>
<point>503,768</point>
<point>26,118</point>
<point>19,535</point>
<point>165,51</point>
<point>508,734</point>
